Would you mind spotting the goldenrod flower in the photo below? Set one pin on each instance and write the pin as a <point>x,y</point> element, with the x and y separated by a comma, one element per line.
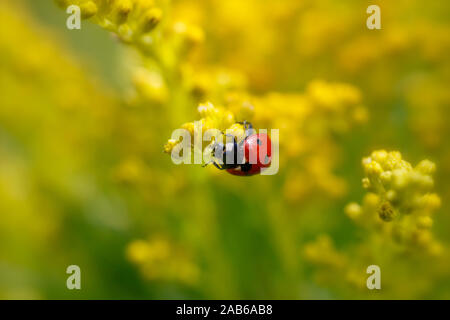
<point>402,196</point>
<point>212,117</point>
<point>131,20</point>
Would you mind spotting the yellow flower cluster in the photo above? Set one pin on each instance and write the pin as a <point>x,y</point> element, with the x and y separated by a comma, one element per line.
<point>160,259</point>
<point>131,20</point>
<point>164,43</point>
<point>211,118</point>
<point>400,199</point>
<point>396,219</point>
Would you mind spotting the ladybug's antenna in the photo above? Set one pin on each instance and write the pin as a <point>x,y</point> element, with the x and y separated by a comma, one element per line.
<point>211,147</point>
<point>218,166</point>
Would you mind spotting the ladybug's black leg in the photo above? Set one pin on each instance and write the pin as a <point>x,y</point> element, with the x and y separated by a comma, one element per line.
<point>214,163</point>
<point>217,166</point>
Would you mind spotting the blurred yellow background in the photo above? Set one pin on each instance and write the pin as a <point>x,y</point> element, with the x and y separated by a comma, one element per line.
<point>85,116</point>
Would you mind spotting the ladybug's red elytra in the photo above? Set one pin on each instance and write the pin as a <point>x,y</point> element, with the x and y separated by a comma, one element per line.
<point>247,157</point>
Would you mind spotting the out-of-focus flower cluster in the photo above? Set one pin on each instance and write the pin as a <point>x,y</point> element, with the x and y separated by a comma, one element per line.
<point>49,138</point>
<point>164,42</point>
<point>334,268</point>
<point>396,217</point>
<point>131,20</point>
<point>400,201</point>
<point>160,259</point>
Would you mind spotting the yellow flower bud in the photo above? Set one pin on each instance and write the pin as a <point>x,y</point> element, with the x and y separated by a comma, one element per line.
<point>366,183</point>
<point>399,178</point>
<point>189,127</point>
<point>432,201</point>
<point>168,147</point>
<point>88,9</point>
<point>424,222</point>
<point>379,156</point>
<point>150,85</point>
<point>371,200</point>
<point>195,35</point>
<point>391,195</point>
<point>150,19</point>
<point>353,210</point>
<point>426,167</point>
<point>386,177</point>
<point>192,34</point>
<point>422,237</point>
<point>138,251</point>
<point>122,9</point>
<point>373,169</point>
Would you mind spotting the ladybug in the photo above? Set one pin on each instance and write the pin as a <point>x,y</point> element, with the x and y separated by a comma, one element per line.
<point>248,157</point>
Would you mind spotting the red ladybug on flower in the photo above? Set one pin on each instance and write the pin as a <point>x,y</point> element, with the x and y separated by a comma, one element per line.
<point>246,157</point>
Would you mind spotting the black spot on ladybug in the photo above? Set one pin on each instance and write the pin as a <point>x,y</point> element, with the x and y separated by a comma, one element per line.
<point>259,142</point>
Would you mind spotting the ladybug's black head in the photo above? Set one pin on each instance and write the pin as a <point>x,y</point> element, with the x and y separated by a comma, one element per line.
<point>229,153</point>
